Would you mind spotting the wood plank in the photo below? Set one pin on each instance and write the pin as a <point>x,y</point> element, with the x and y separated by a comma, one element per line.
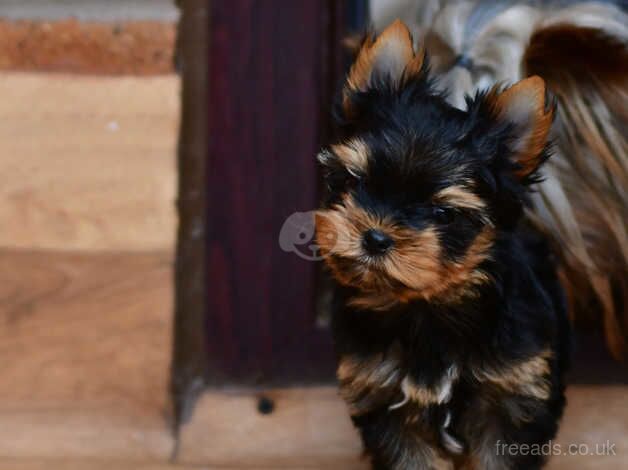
<point>114,464</point>
<point>88,163</point>
<point>189,361</point>
<point>89,464</point>
<point>85,346</point>
<point>263,135</point>
<point>309,428</point>
<point>70,46</point>
<point>595,415</point>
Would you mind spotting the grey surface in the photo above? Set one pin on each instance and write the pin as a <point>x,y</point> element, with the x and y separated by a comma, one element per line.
<point>91,10</point>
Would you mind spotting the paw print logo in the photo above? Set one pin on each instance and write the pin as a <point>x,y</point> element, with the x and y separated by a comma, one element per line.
<point>297,236</point>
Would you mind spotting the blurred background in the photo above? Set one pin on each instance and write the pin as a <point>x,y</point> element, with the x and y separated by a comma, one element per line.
<point>150,153</point>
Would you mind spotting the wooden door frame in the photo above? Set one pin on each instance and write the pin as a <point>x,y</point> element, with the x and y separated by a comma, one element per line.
<point>211,343</point>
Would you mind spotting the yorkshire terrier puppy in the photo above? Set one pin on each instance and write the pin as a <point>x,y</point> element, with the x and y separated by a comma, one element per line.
<point>450,324</point>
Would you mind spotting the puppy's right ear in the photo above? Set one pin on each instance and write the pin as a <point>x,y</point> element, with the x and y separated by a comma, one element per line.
<point>388,60</point>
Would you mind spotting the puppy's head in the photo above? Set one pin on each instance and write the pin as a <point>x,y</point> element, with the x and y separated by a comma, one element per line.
<point>419,190</point>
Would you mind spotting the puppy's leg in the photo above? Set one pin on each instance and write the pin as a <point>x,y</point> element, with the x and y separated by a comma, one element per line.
<point>512,432</point>
<point>515,414</point>
<point>395,442</point>
<point>372,387</point>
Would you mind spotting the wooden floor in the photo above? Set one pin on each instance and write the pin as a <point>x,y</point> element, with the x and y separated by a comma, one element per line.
<point>88,163</point>
<point>309,428</point>
<point>85,349</point>
<point>87,190</point>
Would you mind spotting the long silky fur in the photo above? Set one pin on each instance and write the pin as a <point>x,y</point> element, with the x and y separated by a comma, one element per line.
<point>581,50</point>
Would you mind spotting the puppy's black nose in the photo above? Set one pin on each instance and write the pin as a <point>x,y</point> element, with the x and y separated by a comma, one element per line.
<point>376,242</point>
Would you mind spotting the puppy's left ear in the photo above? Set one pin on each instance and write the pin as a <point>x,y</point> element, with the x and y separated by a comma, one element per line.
<point>528,108</point>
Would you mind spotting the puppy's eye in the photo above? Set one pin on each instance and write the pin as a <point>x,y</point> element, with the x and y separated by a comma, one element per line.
<point>341,180</point>
<point>443,215</point>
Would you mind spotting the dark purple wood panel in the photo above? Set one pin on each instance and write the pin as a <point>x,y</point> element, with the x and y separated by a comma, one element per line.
<point>272,67</point>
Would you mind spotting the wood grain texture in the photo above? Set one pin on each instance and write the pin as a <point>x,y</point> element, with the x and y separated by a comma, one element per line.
<point>88,163</point>
<point>265,122</point>
<point>122,48</point>
<point>115,464</point>
<point>85,347</point>
<point>87,464</point>
<point>310,429</point>
<point>189,362</point>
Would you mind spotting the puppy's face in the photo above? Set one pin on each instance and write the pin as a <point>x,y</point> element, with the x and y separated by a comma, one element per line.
<point>418,190</point>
